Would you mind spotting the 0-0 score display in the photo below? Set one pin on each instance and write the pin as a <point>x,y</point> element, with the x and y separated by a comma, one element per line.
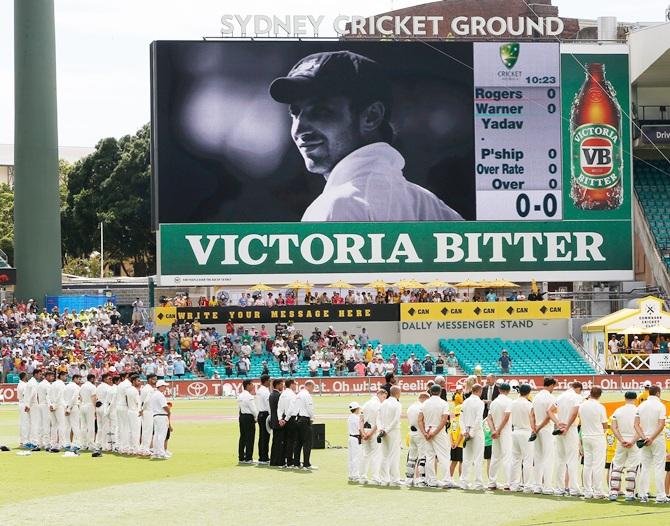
<point>517,112</point>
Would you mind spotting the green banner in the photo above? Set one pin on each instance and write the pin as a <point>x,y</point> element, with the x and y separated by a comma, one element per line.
<point>301,249</point>
<point>596,136</point>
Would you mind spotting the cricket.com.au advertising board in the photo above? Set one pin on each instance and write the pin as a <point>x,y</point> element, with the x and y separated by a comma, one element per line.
<point>315,160</point>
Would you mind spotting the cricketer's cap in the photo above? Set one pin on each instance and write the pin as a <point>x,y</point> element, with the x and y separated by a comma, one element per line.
<point>161,383</point>
<point>353,406</point>
<point>646,383</point>
<point>333,73</point>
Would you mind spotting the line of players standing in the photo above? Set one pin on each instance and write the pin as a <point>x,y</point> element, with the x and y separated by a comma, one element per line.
<point>119,414</point>
<point>286,413</point>
<point>535,444</point>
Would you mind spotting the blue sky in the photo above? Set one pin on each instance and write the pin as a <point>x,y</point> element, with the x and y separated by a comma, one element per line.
<point>103,50</point>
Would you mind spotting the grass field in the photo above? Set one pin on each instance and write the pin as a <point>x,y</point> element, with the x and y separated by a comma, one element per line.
<point>202,484</point>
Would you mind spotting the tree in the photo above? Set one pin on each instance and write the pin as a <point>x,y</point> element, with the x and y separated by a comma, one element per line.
<point>7,221</point>
<point>112,186</point>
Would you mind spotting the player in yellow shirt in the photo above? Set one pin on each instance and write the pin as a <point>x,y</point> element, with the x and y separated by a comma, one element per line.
<point>456,441</point>
<point>645,394</point>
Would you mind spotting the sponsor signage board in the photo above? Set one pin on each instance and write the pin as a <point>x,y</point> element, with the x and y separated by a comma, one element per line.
<point>513,161</point>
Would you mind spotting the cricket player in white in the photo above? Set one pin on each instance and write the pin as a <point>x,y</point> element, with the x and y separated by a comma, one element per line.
<point>433,419</point>
<point>33,409</point>
<point>24,416</point>
<point>522,419</point>
<point>543,456</point>
<point>371,454</point>
<point>565,410</point>
<point>498,419</point>
<point>87,401</point>
<point>103,394</point>
<point>355,428</point>
<point>415,471</point>
<point>134,420</point>
<point>161,413</point>
<point>146,414</point>
<point>388,424</point>
<point>593,417</point>
<point>472,430</point>
<point>72,413</point>
<point>121,408</point>
<point>43,389</point>
<point>627,454</point>
<point>649,425</point>
<point>111,411</point>
<point>57,412</point>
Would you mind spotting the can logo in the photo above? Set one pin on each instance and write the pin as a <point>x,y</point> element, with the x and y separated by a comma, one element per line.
<point>596,157</point>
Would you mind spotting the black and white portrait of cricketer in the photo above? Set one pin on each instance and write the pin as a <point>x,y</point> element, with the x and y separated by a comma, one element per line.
<point>283,131</point>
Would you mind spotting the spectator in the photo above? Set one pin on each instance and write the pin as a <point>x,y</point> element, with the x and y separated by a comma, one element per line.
<point>491,296</point>
<point>439,365</point>
<point>416,367</point>
<point>452,363</point>
<point>505,362</point>
<point>313,366</point>
<point>359,368</point>
<point>406,367</point>
<point>428,364</point>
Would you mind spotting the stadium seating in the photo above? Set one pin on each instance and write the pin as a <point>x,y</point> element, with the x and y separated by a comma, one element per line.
<point>529,357</point>
<point>652,186</point>
<point>401,350</point>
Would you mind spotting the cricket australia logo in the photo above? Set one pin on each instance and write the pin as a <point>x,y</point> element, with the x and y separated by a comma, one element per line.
<point>509,54</point>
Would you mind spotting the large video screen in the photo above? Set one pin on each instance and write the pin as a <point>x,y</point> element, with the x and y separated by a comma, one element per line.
<point>320,159</point>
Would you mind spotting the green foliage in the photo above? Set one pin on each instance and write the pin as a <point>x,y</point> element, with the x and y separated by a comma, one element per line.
<point>112,185</point>
<point>7,221</point>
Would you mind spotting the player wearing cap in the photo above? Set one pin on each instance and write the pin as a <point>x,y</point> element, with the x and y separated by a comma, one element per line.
<point>543,455</point>
<point>472,429</point>
<point>501,433</point>
<point>565,409</point>
<point>340,105</point>
<point>434,420</point>
<point>522,420</point>
<point>145,413</point>
<point>160,409</point>
<point>649,425</point>
<point>627,455</point>
<point>72,413</point>
<point>593,418</point>
<point>355,428</point>
<point>416,455</point>
<point>388,424</point>
<point>371,454</point>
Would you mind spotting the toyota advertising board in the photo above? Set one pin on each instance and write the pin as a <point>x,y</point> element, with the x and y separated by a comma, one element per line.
<point>274,160</point>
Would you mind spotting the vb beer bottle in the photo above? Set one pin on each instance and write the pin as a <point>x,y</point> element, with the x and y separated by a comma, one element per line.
<point>595,144</point>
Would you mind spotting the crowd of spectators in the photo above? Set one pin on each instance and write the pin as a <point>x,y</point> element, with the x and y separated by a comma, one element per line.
<point>91,341</point>
<point>351,297</point>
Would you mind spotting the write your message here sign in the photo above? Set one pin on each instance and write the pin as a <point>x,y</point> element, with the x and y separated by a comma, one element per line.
<point>200,254</point>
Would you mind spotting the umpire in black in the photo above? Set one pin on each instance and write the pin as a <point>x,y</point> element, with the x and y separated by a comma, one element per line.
<point>248,416</point>
<point>277,451</point>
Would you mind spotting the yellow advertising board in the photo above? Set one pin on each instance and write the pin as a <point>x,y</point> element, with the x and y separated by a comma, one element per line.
<point>476,310</point>
<point>165,316</point>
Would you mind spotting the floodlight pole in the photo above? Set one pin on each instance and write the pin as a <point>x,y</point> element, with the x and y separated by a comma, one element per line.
<point>37,232</point>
